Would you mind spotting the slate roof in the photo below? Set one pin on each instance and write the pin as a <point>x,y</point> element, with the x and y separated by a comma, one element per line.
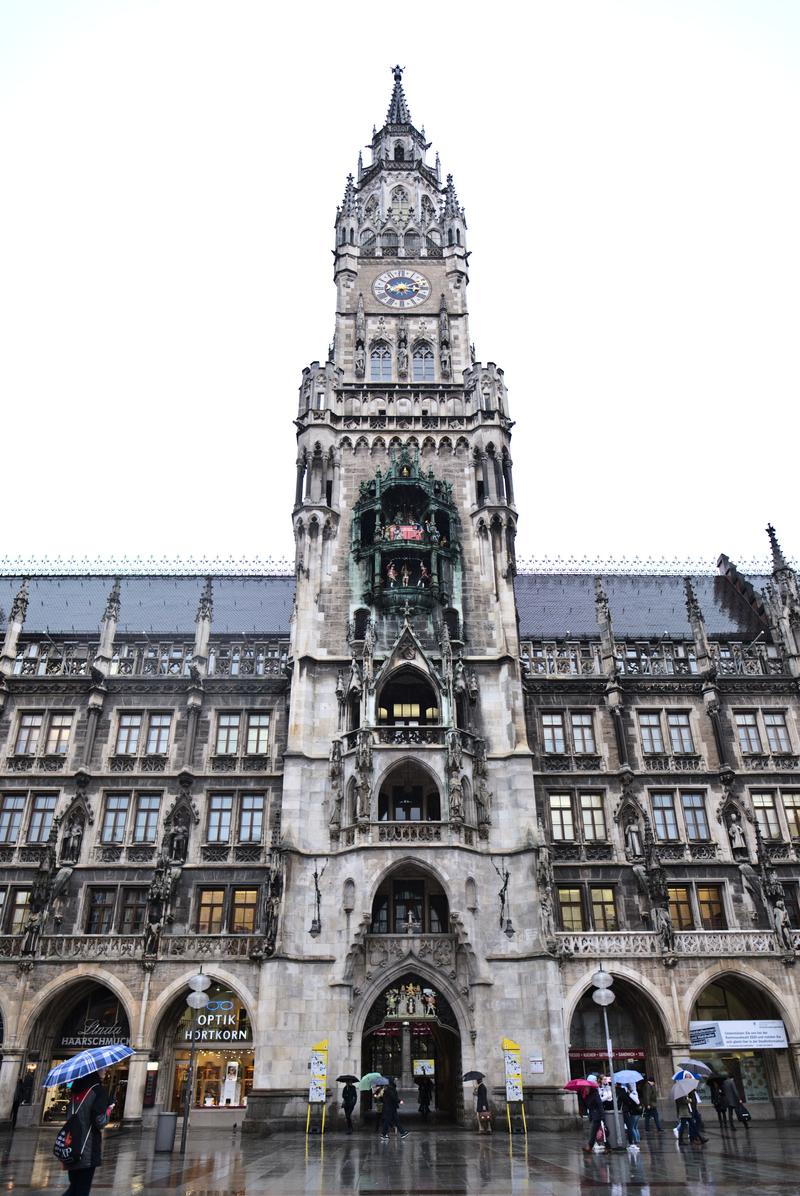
<point>154,605</point>
<point>551,606</point>
<point>560,606</point>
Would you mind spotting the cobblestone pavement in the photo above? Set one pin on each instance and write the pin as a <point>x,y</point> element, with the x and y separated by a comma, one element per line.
<point>427,1163</point>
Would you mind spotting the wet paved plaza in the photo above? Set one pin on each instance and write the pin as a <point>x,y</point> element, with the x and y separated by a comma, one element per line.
<point>428,1163</point>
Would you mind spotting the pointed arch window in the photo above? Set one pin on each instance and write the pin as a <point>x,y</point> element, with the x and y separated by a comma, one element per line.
<point>399,152</point>
<point>400,204</point>
<point>390,243</point>
<point>368,242</point>
<point>380,362</point>
<point>422,363</point>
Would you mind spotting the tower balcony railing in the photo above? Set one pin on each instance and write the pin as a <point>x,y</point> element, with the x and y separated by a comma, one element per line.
<point>637,943</point>
<point>391,735</point>
<point>174,658</point>
<point>435,834</point>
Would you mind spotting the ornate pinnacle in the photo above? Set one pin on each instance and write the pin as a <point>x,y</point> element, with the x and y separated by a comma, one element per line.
<point>778,559</point>
<point>600,596</point>
<point>349,201</point>
<point>205,606</point>
<point>19,607</point>
<point>398,113</point>
<point>451,207</point>
<point>113,603</point>
<point>692,605</point>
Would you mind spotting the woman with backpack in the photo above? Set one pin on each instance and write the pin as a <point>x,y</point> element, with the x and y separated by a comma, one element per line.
<point>88,1112</point>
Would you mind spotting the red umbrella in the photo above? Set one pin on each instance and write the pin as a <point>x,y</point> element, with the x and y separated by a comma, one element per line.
<point>577,1085</point>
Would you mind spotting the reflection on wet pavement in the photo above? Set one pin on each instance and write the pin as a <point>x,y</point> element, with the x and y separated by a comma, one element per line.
<point>428,1163</point>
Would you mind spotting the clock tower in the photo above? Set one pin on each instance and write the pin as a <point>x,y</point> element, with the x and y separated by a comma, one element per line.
<point>408,822</point>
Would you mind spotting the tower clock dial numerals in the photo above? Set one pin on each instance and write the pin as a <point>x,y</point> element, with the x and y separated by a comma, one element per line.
<point>401,288</point>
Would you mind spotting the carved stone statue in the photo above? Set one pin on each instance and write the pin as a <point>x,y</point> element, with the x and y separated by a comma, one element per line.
<point>634,848</point>
<point>664,927</point>
<point>368,655</point>
<point>32,931</point>
<point>444,360</point>
<point>152,932</point>
<point>272,909</point>
<point>179,840</point>
<point>392,1001</point>
<point>782,926</point>
<point>402,361</point>
<point>736,833</point>
<point>72,841</point>
<point>456,796</point>
<point>360,361</point>
<point>454,754</point>
<point>483,803</point>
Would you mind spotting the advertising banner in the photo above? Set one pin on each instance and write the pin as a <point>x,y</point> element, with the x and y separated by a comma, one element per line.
<point>318,1066</point>
<point>741,1035</point>
<point>513,1070</point>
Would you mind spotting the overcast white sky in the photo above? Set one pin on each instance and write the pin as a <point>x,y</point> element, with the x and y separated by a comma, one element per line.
<point>170,174</point>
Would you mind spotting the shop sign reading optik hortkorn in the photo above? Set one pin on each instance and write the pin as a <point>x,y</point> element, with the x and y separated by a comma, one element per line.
<point>223,1020</point>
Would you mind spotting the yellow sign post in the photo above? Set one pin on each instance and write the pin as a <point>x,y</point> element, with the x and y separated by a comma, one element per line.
<point>318,1066</point>
<point>513,1072</point>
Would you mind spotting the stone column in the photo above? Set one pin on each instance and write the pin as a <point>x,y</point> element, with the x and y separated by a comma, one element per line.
<point>406,1078</point>
<point>9,1074</point>
<point>137,1078</point>
<point>94,708</point>
<point>298,489</point>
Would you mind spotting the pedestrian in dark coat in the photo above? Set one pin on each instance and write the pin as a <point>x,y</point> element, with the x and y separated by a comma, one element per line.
<point>424,1096</point>
<point>349,1098</point>
<point>391,1113</point>
<point>730,1094</point>
<point>594,1110</point>
<point>89,1099</point>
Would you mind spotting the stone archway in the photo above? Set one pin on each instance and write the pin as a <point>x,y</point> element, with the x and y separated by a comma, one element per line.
<point>411,1031</point>
<point>224,1060</point>
<point>76,1016</point>
<point>728,1015</point>
<point>636,1026</point>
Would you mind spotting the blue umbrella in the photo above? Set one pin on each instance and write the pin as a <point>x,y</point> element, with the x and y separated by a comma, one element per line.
<point>85,1063</point>
<point>628,1076</point>
<point>684,1074</point>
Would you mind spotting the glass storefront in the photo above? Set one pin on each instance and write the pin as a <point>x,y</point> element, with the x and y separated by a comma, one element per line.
<point>97,1020</point>
<point>223,1057</point>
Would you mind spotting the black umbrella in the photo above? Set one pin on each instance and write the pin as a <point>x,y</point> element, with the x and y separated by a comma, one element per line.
<point>347,1079</point>
<point>473,1075</point>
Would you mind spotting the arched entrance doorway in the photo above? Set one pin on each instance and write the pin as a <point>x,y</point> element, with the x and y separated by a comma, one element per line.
<point>85,1014</point>
<point>411,1032</point>
<point>223,1061</point>
<point>636,1030</point>
<point>736,1028</point>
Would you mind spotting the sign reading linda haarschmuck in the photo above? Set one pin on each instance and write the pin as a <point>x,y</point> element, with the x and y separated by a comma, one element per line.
<point>755,1035</point>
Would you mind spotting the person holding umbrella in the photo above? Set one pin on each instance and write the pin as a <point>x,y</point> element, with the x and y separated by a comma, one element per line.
<point>589,1093</point>
<point>349,1098</point>
<point>683,1093</point>
<point>90,1105</point>
<point>483,1114</point>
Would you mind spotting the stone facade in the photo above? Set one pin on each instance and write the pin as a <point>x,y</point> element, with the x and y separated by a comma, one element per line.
<point>405,800</point>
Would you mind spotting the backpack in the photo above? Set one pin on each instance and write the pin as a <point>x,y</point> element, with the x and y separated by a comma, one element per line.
<point>69,1146</point>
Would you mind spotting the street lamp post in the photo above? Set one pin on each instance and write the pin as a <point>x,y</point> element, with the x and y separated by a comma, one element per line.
<point>603,996</point>
<point>197,999</point>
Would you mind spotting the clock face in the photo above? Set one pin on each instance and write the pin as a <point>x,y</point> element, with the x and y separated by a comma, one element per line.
<point>401,288</point>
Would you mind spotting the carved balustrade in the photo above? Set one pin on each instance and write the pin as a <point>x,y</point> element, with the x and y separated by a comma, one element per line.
<point>262,658</point>
<point>130,946</point>
<point>634,943</point>
<point>46,658</point>
<point>435,833</point>
<point>662,658</point>
<point>152,659</point>
<point>386,949</point>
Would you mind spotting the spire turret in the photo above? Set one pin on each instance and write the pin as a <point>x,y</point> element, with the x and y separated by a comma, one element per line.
<point>398,113</point>
<point>778,559</point>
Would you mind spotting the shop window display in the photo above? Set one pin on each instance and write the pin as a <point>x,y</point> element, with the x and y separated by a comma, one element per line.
<point>223,1054</point>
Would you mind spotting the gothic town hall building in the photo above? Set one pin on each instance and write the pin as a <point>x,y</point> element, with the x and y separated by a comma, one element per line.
<point>406,799</point>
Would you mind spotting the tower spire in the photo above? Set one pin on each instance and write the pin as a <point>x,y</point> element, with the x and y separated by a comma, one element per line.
<point>398,113</point>
<point>778,559</point>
